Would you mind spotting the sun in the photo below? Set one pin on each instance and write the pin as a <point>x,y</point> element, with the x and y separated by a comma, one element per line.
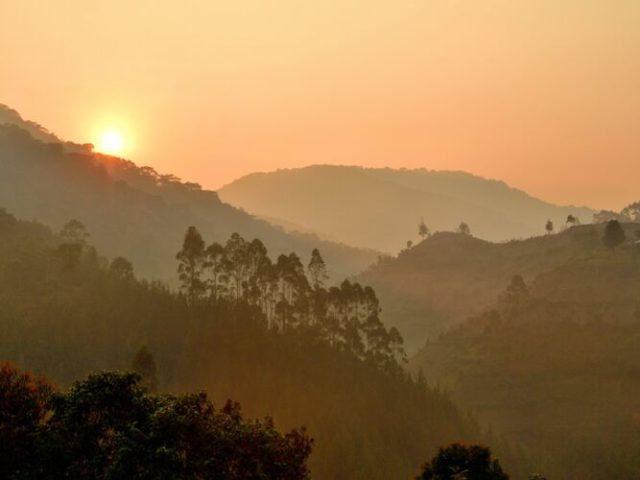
<point>111,142</point>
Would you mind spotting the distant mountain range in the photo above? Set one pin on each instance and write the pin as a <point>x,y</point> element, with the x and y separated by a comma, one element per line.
<point>129,210</point>
<point>381,208</point>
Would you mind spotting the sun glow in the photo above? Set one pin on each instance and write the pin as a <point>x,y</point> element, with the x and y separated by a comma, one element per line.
<point>111,142</point>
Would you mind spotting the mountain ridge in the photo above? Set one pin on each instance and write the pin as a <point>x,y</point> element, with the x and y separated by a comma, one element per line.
<point>132,211</point>
<point>380,207</point>
<point>449,277</point>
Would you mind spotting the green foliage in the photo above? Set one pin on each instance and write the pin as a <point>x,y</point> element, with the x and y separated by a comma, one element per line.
<point>108,427</point>
<point>461,462</point>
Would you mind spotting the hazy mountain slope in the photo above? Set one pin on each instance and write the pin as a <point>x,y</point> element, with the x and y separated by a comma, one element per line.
<point>11,117</point>
<point>131,211</point>
<point>66,318</point>
<point>558,370</point>
<point>380,208</point>
<point>449,277</point>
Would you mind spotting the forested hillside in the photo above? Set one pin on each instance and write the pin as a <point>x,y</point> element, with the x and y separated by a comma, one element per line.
<point>271,338</point>
<point>554,363</point>
<point>450,276</point>
<point>131,211</point>
<point>380,208</point>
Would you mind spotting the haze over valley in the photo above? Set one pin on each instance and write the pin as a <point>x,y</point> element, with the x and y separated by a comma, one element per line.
<point>338,240</point>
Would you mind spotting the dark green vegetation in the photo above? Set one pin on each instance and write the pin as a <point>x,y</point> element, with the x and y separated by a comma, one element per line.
<point>554,363</point>
<point>66,312</point>
<point>381,208</point>
<point>345,317</point>
<point>108,427</point>
<point>131,211</point>
<point>457,462</point>
<point>449,277</point>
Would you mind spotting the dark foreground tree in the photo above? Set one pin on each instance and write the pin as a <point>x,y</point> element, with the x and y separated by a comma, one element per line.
<point>461,462</point>
<point>108,427</point>
<point>23,407</point>
<point>613,234</point>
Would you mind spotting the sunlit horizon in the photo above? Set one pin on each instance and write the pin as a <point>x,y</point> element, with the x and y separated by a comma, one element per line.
<point>542,95</point>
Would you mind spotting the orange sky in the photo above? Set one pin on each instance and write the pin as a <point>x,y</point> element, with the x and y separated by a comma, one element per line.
<point>544,94</point>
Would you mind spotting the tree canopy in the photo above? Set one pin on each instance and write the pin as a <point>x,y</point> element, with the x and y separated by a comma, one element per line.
<point>107,426</point>
<point>462,462</point>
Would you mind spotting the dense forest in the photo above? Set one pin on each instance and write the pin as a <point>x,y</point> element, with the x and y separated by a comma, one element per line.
<point>450,276</point>
<point>373,364</point>
<point>553,364</point>
<point>109,426</point>
<point>281,344</point>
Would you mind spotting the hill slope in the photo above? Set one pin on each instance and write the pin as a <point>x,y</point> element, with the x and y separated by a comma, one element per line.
<point>557,368</point>
<point>64,319</point>
<point>131,211</point>
<point>380,208</point>
<point>449,277</point>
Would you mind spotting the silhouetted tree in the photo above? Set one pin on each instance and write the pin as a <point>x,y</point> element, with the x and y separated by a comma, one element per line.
<point>237,256</point>
<point>317,269</point>
<point>464,229</point>
<point>423,230</point>
<point>191,264</point>
<point>549,227</point>
<point>572,220</point>
<point>217,264</point>
<point>74,232</point>
<point>121,268</point>
<point>515,295</point>
<point>74,238</point>
<point>604,216</point>
<point>108,426</point>
<point>409,244</point>
<point>613,234</point>
<point>632,212</point>
<point>460,462</point>
<point>144,365</point>
<point>23,408</point>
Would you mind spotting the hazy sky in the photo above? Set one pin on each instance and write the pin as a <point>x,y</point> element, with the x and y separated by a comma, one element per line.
<point>544,94</point>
